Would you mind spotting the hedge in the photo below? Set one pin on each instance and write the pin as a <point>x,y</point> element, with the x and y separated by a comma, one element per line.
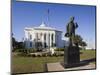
<point>59,49</point>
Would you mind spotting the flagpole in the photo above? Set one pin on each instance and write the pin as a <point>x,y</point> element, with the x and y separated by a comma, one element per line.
<point>48,16</point>
<point>48,26</point>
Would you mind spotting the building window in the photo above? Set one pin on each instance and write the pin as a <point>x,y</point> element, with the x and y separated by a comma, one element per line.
<point>30,44</point>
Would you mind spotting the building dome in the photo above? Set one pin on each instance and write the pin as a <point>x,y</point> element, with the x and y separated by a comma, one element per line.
<point>43,24</point>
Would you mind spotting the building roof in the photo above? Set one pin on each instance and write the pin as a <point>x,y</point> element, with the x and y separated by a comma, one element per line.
<point>44,27</point>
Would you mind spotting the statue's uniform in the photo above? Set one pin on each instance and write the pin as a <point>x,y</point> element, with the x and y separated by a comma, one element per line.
<point>71,29</point>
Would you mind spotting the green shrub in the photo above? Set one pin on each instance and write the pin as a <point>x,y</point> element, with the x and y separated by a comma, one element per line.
<point>44,54</point>
<point>33,55</point>
<point>31,50</point>
<point>57,54</point>
<point>22,54</point>
<point>28,55</point>
<point>50,54</point>
<point>59,49</point>
<point>18,50</point>
<point>61,54</point>
<point>38,55</point>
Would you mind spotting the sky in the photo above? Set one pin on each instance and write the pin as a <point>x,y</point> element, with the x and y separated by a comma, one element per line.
<point>32,14</point>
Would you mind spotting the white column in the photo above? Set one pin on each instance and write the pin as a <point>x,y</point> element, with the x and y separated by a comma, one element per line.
<point>50,40</point>
<point>46,39</point>
<point>35,40</point>
<point>42,40</point>
<point>54,39</point>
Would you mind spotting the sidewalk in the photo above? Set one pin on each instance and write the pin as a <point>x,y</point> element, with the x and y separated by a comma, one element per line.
<point>58,67</point>
<point>54,67</point>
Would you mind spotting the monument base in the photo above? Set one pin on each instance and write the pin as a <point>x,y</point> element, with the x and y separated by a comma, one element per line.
<point>71,56</point>
<point>74,65</point>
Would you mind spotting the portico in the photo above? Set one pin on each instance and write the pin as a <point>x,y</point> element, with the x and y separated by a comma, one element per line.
<point>42,36</point>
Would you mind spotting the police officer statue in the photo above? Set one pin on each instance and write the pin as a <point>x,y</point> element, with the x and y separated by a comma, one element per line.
<point>71,52</point>
<point>70,30</point>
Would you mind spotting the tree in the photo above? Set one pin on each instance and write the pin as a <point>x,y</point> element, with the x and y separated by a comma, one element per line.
<point>20,45</point>
<point>17,45</point>
<point>79,40</point>
<point>14,42</point>
<point>83,44</point>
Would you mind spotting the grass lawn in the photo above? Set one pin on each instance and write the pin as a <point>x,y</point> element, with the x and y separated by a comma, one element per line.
<point>36,64</point>
<point>32,64</point>
<point>87,54</point>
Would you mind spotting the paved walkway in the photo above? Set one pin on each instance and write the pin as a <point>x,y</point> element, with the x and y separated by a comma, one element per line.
<point>89,66</point>
<point>58,67</point>
<point>54,67</point>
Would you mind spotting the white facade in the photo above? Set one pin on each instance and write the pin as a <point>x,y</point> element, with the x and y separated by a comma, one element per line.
<point>47,36</point>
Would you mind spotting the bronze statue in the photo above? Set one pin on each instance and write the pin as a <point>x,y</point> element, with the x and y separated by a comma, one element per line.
<point>72,51</point>
<point>70,30</point>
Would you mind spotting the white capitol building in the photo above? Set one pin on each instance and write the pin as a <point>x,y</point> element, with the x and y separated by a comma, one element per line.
<point>43,36</point>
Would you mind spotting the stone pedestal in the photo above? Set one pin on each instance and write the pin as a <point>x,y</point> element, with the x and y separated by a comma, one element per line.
<point>71,56</point>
